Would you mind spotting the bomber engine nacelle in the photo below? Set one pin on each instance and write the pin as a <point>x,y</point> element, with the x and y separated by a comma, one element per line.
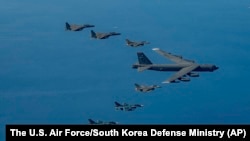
<point>193,74</point>
<point>185,79</point>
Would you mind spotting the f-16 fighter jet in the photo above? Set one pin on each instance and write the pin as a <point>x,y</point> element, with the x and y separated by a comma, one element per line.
<point>135,43</point>
<point>146,88</point>
<point>126,107</point>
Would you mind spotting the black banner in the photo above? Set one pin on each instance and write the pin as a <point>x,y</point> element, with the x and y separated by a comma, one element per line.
<point>79,132</point>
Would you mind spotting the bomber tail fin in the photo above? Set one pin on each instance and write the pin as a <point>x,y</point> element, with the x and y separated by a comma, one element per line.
<point>143,59</point>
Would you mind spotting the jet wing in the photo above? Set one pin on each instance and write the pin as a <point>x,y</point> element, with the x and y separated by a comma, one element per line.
<point>181,73</point>
<point>174,58</point>
<point>75,27</point>
<point>134,44</point>
<point>102,35</point>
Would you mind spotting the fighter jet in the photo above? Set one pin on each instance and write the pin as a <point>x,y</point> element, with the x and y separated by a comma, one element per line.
<point>99,122</point>
<point>126,107</point>
<point>99,35</point>
<point>135,43</point>
<point>183,66</point>
<point>145,88</point>
<point>74,27</point>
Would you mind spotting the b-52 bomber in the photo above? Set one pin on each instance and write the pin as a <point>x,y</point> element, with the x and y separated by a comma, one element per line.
<point>99,35</point>
<point>183,67</point>
<point>126,107</point>
<point>75,27</point>
<point>146,88</point>
<point>135,43</point>
<point>99,122</point>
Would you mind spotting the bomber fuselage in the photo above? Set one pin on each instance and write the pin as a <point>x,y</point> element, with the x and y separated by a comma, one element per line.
<point>176,67</point>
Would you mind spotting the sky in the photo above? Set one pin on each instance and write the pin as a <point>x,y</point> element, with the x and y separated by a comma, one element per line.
<point>52,76</point>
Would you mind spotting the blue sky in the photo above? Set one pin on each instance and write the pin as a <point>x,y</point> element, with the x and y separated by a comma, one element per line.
<point>52,76</point>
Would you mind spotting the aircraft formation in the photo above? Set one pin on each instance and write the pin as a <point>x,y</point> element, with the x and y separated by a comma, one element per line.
<point>183,68</point>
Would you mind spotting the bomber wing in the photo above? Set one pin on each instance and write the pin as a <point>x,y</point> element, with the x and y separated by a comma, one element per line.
<point>175,58</point>
<point>181,73</point>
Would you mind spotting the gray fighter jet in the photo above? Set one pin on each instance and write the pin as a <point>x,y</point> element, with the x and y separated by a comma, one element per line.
<point>145,88</point>
<point>99,35</point>
<point>74,27</point>
<point>135,43</point>
<point>99,122</point>
<point>183,67</point>
<point>126,107</point>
